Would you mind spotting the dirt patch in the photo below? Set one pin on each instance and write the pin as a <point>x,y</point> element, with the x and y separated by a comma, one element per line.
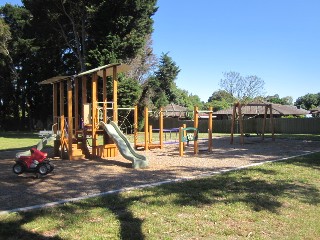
<point>72,179</point>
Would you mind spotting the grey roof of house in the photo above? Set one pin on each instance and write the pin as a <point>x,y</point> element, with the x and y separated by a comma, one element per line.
<point>173,110</point>
<point>277,109</point>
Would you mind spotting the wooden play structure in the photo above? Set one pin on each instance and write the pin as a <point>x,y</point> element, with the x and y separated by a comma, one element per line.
<point>238,106</point>
<point>148,130</point>
<point>184,137</point>
<point>77,109</point>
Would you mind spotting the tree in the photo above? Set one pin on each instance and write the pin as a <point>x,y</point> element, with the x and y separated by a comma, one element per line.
<point>5,37</point>
<point>308,101</point>
<point>186,99</point>
<point>93,33</point>
<point>144,64</point>
<point>59,37</point>
<point>18,53</point>
<point>129,91</point>
<point>166,76</point>
<point>220,99</point>
<point>221,95</point>
<point>160,89</point>
<point>242,88</point>
<point>218,105</point>
<point>276,99</point>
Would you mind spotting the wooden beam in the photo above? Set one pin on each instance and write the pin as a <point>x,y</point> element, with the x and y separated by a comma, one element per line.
<point>135,126</point>
<point>104,93</point>
<point>115,94</point>
<point>62,125</point>
<point>210,123</point>
<point>55,107</point>
<point>233,122</point>
<point>240,123</point>
<point>146,129</point>
<point>76,104</point>
<point>264,123</point>
<point>70,119</point>
<point>196,125</point>
<point>272,123</point>
<point>255,104</point>
<point>94,113</point>
<point>161,128</point>
<point>181,144</point>
<point>84,90</point>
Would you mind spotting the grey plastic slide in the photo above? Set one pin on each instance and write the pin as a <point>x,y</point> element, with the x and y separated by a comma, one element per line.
<point>124,146</point>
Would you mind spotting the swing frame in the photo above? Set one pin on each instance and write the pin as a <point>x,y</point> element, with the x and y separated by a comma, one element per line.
<point>239,106</point>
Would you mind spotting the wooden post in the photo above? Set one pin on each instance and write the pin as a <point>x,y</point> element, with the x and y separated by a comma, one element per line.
<point>70,119</point>
<point>83,94</point>
<point>150,134</point>
<point>181,144</point>
<point>196,124</point>
<point>84,90</point>
<point>62,125</point>
<point>184,134</point>
<point>57,143</point>
<point>241,123</point>
<point>55,107</point>
<point>161,128</point>
<point>135,127</point>
<point>76,104</point>
<point>233,121</point>
<point>115,95</point>
<point>271,123</point>
<point>210,123</point>
<point>104,78</point>
<point>94,113</point>
<point>146,123</point>
<point>264,123</point>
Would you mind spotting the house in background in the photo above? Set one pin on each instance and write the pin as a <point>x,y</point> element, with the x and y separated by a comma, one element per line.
<point>176,111</point>
<point>249,112</point>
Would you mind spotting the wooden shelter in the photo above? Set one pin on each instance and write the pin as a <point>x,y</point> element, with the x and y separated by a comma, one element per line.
<point>238,106</point>
<point>77,111</point>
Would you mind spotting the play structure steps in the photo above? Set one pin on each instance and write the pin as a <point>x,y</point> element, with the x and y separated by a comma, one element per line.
<point>77,152</point>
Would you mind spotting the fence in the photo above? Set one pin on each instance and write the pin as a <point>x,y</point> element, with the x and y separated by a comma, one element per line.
<point>281,125</point>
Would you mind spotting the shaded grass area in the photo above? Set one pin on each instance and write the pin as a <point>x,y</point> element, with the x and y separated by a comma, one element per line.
<point>273,201</point>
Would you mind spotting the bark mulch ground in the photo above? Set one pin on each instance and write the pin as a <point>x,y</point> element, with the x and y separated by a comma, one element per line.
<point>72,179</point>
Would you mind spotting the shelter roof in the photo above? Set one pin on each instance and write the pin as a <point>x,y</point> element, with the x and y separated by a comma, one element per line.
<point>55,79</point>
<point>108,68</point>
<point>99,70</point>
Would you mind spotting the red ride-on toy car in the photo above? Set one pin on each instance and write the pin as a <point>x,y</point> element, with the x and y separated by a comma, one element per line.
<point>36,163</point>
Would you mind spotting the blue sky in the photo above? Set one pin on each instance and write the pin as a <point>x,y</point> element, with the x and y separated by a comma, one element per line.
<point>276,40</point>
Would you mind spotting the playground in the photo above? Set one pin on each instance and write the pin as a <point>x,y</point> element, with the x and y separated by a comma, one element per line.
<point>83,178</point>
<point>90,151</point>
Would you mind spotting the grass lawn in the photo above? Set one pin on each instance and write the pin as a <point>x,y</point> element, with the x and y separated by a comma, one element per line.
<point>272,201</point>
<point>22,140</point>
<point>18,140</point>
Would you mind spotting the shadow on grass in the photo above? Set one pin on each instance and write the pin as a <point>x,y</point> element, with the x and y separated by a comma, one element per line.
<point>14,229</point>
<point>261,188</point>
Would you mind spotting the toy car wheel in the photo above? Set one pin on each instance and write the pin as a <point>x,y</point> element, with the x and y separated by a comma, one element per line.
<point>50,167</point>
<point>18,168</point>
<point>42,169</point>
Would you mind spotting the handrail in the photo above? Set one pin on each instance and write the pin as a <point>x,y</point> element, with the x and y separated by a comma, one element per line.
<point>189,137</point>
